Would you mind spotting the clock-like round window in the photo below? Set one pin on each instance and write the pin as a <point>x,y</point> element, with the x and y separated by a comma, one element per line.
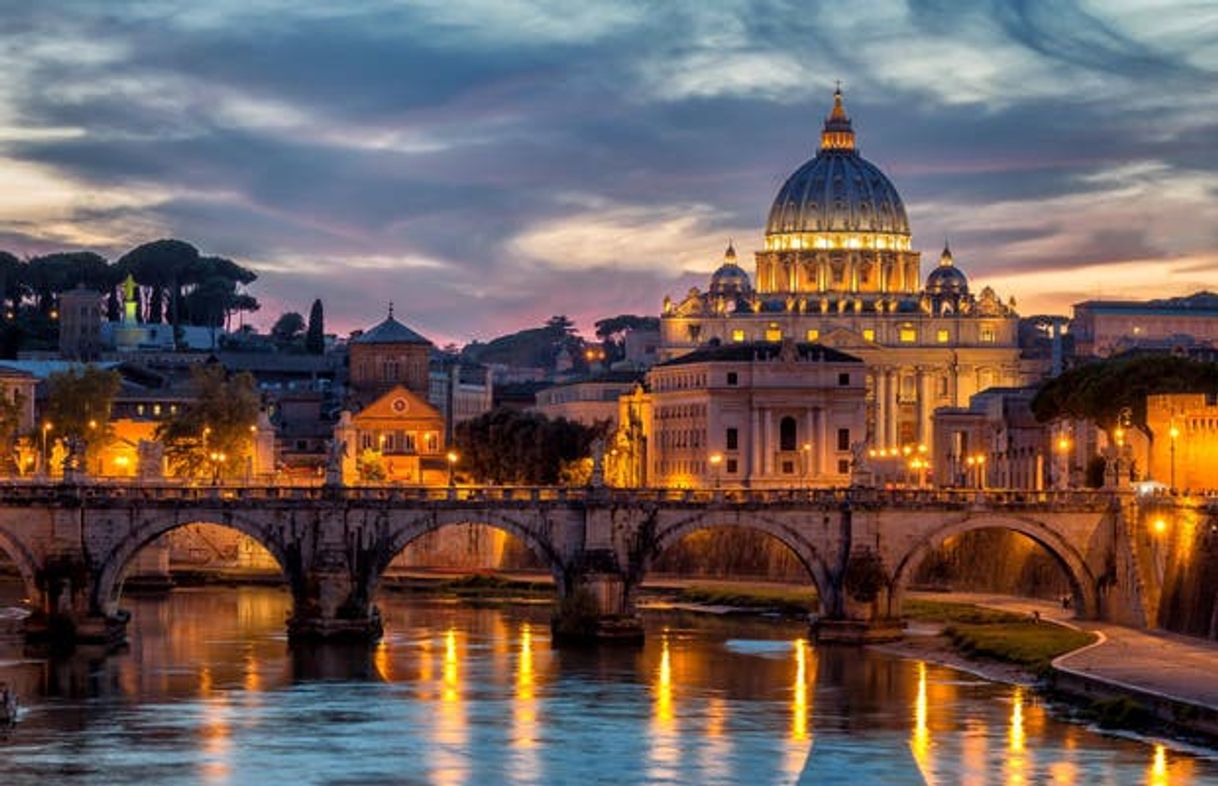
<point>399,405</point>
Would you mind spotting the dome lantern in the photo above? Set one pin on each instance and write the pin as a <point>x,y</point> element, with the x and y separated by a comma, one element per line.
<point>838,134</point>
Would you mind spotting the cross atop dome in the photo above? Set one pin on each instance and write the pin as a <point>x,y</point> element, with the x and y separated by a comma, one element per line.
<point>838,134</point>
<point>945,259</point>
<point>729,256</point>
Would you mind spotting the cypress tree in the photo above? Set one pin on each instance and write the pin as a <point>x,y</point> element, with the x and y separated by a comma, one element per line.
<point>315,336</point>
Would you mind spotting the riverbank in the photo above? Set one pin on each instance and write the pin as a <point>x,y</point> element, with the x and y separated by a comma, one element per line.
<point>991,643</point>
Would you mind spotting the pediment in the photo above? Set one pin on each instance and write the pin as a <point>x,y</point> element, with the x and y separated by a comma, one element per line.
<point>840,338</point>
<point>399,403</point>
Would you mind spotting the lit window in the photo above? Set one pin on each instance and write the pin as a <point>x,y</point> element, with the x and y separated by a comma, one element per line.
<point>908,335</point>
<point>773,334</point>
<point>813,334</point>
<point>942,336</point>
<point>156,409</point>
<point>869,334</point>
<point>737,335</point>
<point>987,335</point>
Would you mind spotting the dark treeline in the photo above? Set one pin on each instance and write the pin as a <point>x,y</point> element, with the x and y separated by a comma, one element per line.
<point>175,284</point>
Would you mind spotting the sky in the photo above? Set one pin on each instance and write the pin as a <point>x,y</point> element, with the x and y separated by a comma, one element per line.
<point>485,164</point>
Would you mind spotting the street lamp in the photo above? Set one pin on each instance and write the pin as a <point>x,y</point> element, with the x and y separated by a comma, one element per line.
<point>715,460</point>
<point>46,460</point>
<point>1174,434</point>
<point>1063,448</point>
<point>807,446</point>
<point>452,467</point>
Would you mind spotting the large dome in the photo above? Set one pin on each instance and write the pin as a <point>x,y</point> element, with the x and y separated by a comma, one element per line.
<point>838,191</point>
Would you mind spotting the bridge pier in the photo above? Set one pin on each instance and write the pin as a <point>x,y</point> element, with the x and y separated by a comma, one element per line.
<point>330,605</point>
<point>64,615</point>
<point>595,603</point>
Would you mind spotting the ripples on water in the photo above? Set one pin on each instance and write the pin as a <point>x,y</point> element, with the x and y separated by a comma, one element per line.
<point>208,693</point>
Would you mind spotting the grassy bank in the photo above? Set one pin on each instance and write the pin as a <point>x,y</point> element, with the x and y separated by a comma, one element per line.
<point>475,585</point>
<point>1000,635</point>
<point>758,598</point>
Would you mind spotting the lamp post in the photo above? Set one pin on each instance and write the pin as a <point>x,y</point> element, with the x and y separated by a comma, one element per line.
<point>46,459</point>
<point>452,467</point>
<point>715,460</point>
<point>1174,434</point>
<point>1063,448</point>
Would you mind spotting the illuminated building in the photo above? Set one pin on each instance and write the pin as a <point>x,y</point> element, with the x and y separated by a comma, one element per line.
<point>760,415</point>
<point>1109,327</point>
<point>1185,445</point>
<point>589,400</point>
<point>388,355</point>
<point>995,442</point>
<point>838,269</point>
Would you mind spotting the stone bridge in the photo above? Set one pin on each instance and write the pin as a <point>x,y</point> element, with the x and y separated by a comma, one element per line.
<point>74,543</point>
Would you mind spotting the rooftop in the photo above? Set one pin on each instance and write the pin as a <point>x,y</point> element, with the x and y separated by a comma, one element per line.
<point>390,332</point>
<point>762,351</point>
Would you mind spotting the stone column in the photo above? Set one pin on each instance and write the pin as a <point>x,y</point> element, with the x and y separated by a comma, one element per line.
<point>768,446</point>
<point>809,456</point>
<point>822,440</point>
<point>881,407</point>
<point>754,443</point>
<point>894,397</point>
<point>924,408</point>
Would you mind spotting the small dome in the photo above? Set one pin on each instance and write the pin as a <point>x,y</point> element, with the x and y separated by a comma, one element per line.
<point>730,278</point>
<point>947,279</point>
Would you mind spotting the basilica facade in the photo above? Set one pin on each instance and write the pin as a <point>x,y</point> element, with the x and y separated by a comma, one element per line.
<point>838,269</point>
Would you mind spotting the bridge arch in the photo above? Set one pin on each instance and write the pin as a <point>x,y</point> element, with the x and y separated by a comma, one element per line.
<point>1074,566</point>
<point>23,558</point>
<point>112,566</point>
<point>667,536</point>
<point>532,533</point>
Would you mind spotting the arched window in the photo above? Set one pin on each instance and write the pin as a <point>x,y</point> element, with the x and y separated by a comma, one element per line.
<point>787,437</point>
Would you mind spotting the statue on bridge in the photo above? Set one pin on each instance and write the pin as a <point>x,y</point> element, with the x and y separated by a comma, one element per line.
<point>336,452</point>
<point>860,468</point>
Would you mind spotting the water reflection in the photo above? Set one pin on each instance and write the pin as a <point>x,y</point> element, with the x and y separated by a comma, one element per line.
<point>665,754</point>
<point>524,714</point>
<point>919,741</point>
<point>449,765</point>
<point>210,693</point>
<point>1016,764</point>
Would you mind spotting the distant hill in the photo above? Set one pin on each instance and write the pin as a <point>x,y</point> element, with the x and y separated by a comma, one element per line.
<point>533,347</point>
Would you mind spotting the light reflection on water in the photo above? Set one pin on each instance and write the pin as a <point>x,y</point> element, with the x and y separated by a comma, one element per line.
<point>209,693</point>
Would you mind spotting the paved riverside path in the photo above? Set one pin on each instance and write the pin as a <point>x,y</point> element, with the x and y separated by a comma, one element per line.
<point>1183,668</point>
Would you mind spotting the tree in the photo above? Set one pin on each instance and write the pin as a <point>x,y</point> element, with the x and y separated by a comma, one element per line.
<point>509,446</point>
<point>1101,391</point>
<point>78,404</point>
<point>287,328</point>
<point>315,336</point>
<point>612,332</point>
<point>213,435</point>
<point>12,282</point>
<point>161,266</point>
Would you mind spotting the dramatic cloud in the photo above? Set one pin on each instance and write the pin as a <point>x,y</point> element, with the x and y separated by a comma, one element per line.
<point>487,163</point>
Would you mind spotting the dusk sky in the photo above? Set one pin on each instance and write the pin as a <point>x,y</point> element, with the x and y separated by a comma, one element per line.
<point>487,163</point>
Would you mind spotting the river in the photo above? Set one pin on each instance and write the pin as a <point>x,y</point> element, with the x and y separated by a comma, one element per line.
<point>208,693</point>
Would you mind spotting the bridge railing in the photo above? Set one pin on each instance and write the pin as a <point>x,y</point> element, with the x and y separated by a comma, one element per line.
<point>113,492</point>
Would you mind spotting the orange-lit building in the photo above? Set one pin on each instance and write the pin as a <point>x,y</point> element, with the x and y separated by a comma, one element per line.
<point>1185,444</point>
<point>401,433</point>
